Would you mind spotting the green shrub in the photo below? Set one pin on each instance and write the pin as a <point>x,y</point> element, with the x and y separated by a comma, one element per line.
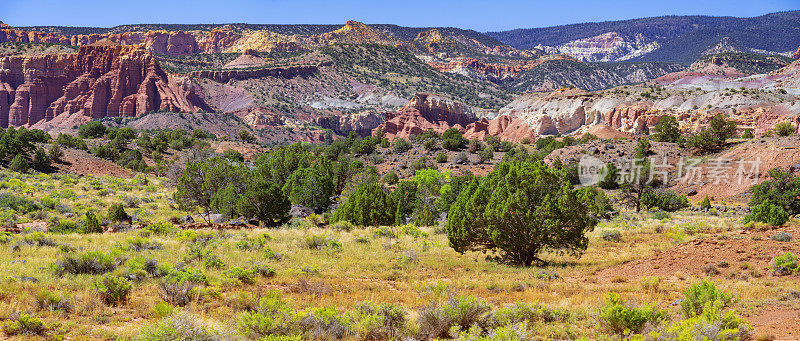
<point>369,205</point>
<point>667,130</point>
<point>191,275</point>
<point>309,187</point>
<point>611,236</point>
<point>509,211</point>
<point>438,318</point>
<point>784,129</point>
<point>782,189</point>
<point>665,200</point>
<point>781,237</point>
<point>113,289</point>
<point>116,213</point>
<point>660,215</point>
<point>41,161</point>
<point>610,179</point>
<point>785,264</point>
<point>343,226</point>
<point>270,316</point>
<point>317,242</point>
<point>715,136</point>
<point>767,212</point>
<point>747,134</point>
<point>527,312</point>
<point>242,275</point>
<point>90,262</point>
<point>441,157</point>
<point>401,145</point>
<point>163,309</point>
<point>48,300</point>
<point>385,231</point>
<point>699,294</point>
<point>37,239</point>
<point>91,130</point>
<point>711,324</point>
<point>90,224</point>
<point>253,244</point>
<point>182,326</point>
<point>624,319</point>
<point>25,324</point>
<point>390,178</point>
<point>452,139</point>
<point>19,164</point>
<point>69,141</point>
<point>139,244</point>
<point>705,204</point>
<point>161,228</point>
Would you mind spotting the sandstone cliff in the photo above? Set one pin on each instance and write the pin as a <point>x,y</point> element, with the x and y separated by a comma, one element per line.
<point>424,112</point>
<point>12,35</point>
<point>100,80</point>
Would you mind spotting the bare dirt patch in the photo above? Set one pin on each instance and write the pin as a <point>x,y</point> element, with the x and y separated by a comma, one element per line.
<point>82,163</point>
<point>742,255</point>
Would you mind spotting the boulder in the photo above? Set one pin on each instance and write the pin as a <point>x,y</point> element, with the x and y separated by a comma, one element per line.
<point>299,211</point>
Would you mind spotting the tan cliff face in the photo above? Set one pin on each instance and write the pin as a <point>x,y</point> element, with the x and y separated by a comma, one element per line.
<point>102,80</point>
<point>12,35</point>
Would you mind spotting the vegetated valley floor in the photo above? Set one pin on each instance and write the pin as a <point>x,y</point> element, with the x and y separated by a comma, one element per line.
<point>654,261</point>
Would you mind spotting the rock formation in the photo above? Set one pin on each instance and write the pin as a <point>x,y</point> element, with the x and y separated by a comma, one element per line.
<point>175,43</point>
<point>101,80</point>
<point>424,112</point>
<point>796,54</point>
<point>217,40</point>
<point>12,35</point>
<point>361,123</point>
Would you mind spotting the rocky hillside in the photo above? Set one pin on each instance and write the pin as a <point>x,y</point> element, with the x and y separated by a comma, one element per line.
<point>680,39</point>
<point>559,73</point>
<point>99,80</point>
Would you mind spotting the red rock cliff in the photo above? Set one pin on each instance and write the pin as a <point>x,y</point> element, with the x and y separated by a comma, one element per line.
<point>99,81</point>
<point>426,111</point>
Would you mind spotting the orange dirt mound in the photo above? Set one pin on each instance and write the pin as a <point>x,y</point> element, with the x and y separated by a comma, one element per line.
<point>690,258</point>
<point>81,162</point>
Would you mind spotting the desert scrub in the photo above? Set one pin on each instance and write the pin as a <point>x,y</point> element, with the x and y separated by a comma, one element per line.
<point>319,242</point>
<point>526,312</point>
<point>177,293</point>
<point>438,318</point>
<point>785,264</point>
<point>113,289</point>
<point>698,295</point>
<point>781,237</point>
<point>90,224</point>
<point>90,262</point>
<point>161,228</point>
<point>611,236</point>
<point>623,318</point>
<point>183,326</point>
<point>244,276</point>
<point>253,244</point>
<point>139,244</point>
<point>48,300</point>
<point>24,324</point>
<point>712,324</point>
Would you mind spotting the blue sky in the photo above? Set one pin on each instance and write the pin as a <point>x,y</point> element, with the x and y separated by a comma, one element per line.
<point>479,15</point>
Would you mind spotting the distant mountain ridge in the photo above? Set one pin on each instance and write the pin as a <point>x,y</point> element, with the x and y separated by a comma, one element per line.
<point>679,39</point>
